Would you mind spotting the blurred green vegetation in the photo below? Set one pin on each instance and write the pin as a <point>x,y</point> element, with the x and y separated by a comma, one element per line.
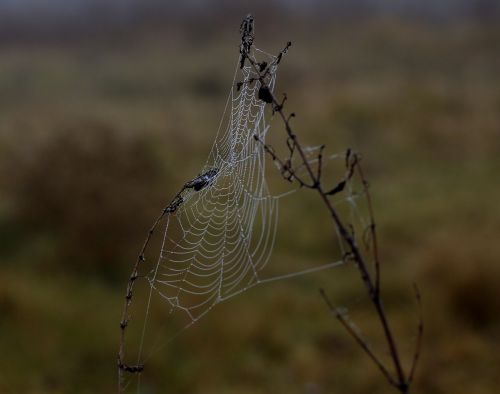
<point>95,138</point>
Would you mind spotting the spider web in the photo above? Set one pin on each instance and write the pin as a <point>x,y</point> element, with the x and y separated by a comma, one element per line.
<point>218,240</point>
<point>221,237</point>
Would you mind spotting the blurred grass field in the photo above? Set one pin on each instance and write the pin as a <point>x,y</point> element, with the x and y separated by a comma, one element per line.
<point>97,136</point>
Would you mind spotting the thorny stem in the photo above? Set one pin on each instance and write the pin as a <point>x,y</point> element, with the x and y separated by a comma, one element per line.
<point>402,382</point>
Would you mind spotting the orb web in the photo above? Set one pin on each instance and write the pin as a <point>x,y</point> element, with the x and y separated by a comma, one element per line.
<point>220,231</point>
<point>220,237</point>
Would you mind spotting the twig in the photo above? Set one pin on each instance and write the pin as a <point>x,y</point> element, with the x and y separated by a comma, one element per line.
<point>361,342</point>
<point>401,381</point>
<point>197,183</point>
<point>420,334</point>
<point>320,164</point>
<point>372,226</point>
<point>285,168</point>
<point>125,319</point>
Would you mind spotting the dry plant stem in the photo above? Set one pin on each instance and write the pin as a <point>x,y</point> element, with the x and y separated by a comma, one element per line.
<point>401,382</point>
<point>122,367</point>
<point>372,227</point>
<point>361,342</point>
<point>420,334</point>
<point>125,319</point>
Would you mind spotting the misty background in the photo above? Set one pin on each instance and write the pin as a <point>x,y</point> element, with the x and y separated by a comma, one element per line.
<point>107,107</point>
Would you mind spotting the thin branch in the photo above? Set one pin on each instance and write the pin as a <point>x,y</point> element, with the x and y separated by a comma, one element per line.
<point>350,166</point>
<point>361,342</point>
<point>125,319</point>
<point>197,183</point>
<point>420,333</point>
<point>285,167</point>
<point>372,226</point>
<point>320,165</point>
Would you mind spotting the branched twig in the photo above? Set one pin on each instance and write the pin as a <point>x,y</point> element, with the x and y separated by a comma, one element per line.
<point>400,379</point>
<point>286,170</point>
<point>351,162</point>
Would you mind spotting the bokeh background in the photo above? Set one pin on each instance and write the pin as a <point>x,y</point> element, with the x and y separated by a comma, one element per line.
<point>107,107</point>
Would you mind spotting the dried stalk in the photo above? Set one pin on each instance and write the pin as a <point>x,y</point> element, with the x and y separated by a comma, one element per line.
<point>399,379</point>
<point>198,183</point>
<point>122,367</point>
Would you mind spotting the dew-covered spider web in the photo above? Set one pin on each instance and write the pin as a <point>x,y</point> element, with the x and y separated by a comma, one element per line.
<point>221,237</point>
<point>219,231</point>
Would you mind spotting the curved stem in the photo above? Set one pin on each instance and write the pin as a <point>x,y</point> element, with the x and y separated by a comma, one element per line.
<point>125,319</point>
